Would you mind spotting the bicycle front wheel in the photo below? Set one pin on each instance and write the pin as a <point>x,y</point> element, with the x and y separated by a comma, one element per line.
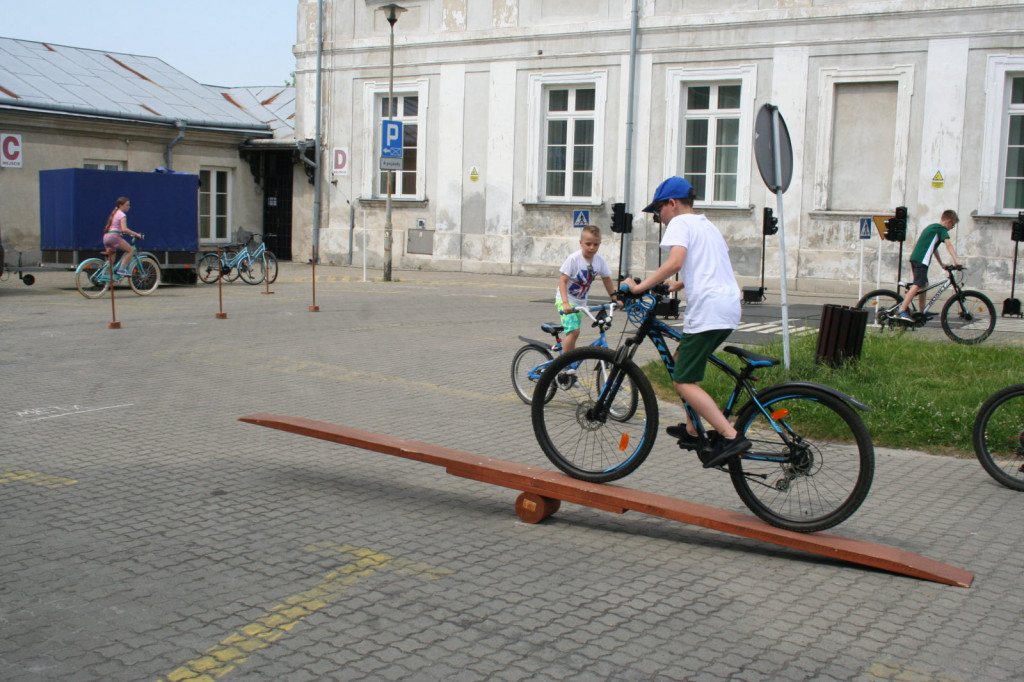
<point>878,303</point>
<point>812,459</point>
<point>145,277</point>
<point>252,270</point>
<point>270,263</point>
<point>999,436</point>
<point>528,364</point>
<point>209,268</point>
<point>968,318</point>
<point>575,429</point>
<point>92,277</point>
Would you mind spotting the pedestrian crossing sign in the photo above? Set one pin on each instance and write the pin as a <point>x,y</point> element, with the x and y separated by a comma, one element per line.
<point>580,218</point>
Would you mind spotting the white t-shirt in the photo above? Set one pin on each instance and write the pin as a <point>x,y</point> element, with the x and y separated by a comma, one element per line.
<point>712,294</point>
<point>581,275</point>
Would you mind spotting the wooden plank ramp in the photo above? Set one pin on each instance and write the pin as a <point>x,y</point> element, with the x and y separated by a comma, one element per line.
<point>543,490</point>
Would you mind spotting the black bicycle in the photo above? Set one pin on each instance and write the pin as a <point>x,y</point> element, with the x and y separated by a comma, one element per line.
<point>812,460</point>
<point>998,436</point>
<point>968,317</point>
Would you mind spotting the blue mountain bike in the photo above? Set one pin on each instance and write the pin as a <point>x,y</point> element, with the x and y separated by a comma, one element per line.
<point>530,362</point>
<point>812,459</point>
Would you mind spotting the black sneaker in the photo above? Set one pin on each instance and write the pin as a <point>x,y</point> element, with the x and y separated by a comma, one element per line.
<point>726,449</point>
<point>686,440</point>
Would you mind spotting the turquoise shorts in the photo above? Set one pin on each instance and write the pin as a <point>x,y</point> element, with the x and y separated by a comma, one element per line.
<point>693,352</point>
<point>570,322</point>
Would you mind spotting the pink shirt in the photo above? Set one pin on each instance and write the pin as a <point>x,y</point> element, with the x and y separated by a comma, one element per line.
<point>117,224</point>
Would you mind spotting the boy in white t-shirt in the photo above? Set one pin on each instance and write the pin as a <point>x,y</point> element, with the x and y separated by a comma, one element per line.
<point>697,251</point>
<point>578,272</point>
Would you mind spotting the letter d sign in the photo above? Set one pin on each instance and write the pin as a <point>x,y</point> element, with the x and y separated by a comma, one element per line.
<point>10,150</point>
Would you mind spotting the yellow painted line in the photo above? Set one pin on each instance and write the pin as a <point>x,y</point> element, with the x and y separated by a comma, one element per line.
<point>8,475</point>
<point>235,649</point>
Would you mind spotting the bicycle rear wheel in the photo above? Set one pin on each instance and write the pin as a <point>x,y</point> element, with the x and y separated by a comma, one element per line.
<point>92,277</point>
<point>209,268</point>
<point>878,303</point>
<point>576,434</point>
<point>968,318</point>
<point>815,477</point>
<point>145,277</point>
<point>999,436</point>
<point>528,364</point>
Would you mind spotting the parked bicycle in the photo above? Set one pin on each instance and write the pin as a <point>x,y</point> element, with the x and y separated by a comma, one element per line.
<point>530,361</point>
<point>812,460</point>
<point>998,436</point>
<point>93,276</point>
<point>251,266</point>
<point>968,317</point>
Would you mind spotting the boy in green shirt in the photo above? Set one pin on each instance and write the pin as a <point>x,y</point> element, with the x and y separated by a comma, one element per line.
<point>927,246</point>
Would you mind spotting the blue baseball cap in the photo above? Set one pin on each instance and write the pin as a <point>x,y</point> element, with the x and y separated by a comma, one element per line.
<point>672,188</point>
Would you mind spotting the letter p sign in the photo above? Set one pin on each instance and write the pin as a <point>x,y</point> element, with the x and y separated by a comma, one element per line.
<point>391,139</point>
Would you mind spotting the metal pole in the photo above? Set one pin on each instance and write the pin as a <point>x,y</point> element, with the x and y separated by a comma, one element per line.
<point>392,18</point>
<point>782,239</point>
<point>625,249</point>
<point>317,191</point>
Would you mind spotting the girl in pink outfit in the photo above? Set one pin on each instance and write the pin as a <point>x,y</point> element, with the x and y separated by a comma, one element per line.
<point>117,225</point>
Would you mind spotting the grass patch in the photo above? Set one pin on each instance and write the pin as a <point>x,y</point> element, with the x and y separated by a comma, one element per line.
<point>923,395</point>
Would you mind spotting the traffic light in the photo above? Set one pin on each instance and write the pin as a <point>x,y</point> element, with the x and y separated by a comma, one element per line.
<point>1017,229</point>
<point>770,224</point>
<point>896,227</point>
<point>622,222</point>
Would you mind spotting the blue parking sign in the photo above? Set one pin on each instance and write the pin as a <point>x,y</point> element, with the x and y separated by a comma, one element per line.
<point>391,139</point>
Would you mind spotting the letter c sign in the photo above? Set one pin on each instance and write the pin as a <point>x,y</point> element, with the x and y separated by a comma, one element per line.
<point>10,150</point>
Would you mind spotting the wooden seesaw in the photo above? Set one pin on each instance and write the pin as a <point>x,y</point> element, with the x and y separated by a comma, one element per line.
<point>543,491</point>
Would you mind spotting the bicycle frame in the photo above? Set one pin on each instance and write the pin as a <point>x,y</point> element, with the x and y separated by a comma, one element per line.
<point>601,322</point>
<point>656,330</point>
<point>103,274</point>
<point>943,286</point>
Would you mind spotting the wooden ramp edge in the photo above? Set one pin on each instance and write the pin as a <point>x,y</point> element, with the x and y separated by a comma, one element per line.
<point>543,490</point>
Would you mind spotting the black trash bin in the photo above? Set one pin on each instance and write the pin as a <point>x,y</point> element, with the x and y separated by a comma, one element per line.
<point>840,335</point>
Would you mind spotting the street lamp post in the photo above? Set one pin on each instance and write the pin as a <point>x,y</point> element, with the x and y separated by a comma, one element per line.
<point>391,11</point>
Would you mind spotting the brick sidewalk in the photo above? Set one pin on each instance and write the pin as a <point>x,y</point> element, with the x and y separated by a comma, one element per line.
<point>147,534</point>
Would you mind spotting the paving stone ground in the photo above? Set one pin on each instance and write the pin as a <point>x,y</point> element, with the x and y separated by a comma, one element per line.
<point>147,534</point>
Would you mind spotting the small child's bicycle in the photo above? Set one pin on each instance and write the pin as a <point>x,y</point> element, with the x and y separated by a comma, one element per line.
<point>93,277</point>
<point>530,361</point>
<point>812,459</point>
<point>968,317</point>
<point>999,436</point>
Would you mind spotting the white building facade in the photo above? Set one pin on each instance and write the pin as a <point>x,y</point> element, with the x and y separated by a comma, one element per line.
<point>515,115</point>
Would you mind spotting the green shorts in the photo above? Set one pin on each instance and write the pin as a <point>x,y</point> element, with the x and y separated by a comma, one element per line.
<point>692,354</point>
<point>570,322</point>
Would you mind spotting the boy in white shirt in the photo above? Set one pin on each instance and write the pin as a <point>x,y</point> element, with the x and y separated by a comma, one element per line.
<point>697,251</point>
<point>578,272</point>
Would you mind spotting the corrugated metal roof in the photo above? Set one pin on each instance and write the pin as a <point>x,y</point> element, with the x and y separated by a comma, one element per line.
<point>74,80</point>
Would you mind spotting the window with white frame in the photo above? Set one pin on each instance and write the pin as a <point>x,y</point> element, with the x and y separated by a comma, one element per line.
<point>214,204</point>
<point>103,165</point>
<point>565,137</point>
<point>711,140</point>
<point>1013,179</point>
<point>569,129</point>
<point>409,105</point>
<point>709,112</point>
<point>404,108</point>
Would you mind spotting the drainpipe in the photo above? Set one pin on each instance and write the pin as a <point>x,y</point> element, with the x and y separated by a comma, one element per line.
<point>625,255</point>
<point>169,154</point>
<point>317,190</point>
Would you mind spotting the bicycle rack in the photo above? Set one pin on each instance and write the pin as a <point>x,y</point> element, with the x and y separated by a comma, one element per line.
<point>543,491</point>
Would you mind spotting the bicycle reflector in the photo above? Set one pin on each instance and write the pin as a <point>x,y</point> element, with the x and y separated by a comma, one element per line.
<point>780,413</point>
<point>624,442</point>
